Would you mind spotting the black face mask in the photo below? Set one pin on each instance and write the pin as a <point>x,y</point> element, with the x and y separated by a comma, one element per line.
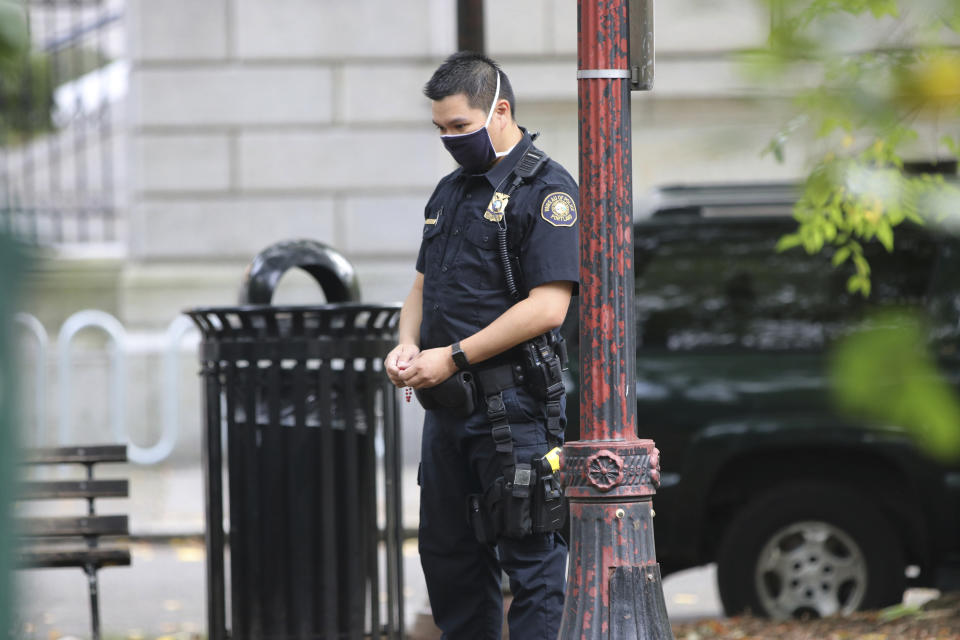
<point>474,151</point>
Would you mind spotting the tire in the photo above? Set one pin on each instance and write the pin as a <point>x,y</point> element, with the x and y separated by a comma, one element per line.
<point>809,550</point>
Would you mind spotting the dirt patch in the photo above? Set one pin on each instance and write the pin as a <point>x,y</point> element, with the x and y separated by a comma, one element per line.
<point>936,620</point>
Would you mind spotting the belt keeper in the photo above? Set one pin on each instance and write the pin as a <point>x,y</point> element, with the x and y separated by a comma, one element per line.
<point>496,410</point>
<point>501,433</point>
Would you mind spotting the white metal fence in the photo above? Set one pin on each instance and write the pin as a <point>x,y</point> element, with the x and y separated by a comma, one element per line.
<point>35,337</point>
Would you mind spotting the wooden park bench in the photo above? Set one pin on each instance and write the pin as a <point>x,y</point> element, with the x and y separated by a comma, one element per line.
<point>73,541</point>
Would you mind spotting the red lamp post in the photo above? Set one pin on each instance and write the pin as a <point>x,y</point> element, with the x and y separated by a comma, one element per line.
<point>613,587</point>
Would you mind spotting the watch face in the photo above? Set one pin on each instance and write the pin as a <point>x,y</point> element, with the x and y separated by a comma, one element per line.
<point>459,358</point>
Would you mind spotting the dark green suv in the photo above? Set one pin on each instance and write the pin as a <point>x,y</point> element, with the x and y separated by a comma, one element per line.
<point>804,511</point>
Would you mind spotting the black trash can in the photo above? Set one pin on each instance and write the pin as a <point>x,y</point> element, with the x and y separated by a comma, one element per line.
<point>312,442</point>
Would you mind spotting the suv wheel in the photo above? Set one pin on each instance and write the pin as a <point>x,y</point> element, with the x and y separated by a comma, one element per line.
<point>809,551</point>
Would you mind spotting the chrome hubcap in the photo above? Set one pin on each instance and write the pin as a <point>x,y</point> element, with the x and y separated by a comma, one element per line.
<point>810,569</point>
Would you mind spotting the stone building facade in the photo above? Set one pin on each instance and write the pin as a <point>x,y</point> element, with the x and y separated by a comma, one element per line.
<point>255,121</point>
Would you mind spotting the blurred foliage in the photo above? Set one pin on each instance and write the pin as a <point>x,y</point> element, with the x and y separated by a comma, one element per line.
<point>28,78</point>
<point>13,29</point>
<point>885,374</point>
<point>13,42</point>
<point>871,72</point>
<point>27,83</point>
<point>12,262</point>
<point>26,91</point>
<point>24,78</point>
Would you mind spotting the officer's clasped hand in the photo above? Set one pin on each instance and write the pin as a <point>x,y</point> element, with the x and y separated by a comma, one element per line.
<point>428,369</point>
<point>398,360</point>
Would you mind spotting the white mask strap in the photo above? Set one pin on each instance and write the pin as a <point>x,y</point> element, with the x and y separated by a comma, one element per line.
<point>496,96</point>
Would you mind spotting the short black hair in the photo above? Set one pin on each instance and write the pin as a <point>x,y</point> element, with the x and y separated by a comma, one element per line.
<point>474,75</point>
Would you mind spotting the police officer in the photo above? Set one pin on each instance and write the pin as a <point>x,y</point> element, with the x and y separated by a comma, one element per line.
<point>464,313</point>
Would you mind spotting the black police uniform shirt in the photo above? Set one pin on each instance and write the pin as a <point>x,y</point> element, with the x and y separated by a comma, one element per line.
<point>464,287</point>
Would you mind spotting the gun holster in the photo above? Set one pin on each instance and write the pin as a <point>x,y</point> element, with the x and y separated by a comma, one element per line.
<point>532,503</point>
<point>457,393</point>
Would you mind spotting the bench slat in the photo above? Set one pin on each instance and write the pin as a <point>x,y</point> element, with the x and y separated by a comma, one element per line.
<point>51,558</point>
<point>74,526</point>
<point>81,454</point>
<point>63,489</point>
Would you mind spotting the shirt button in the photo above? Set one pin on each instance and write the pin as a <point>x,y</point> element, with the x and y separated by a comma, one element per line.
<point>456,231</point>
<point>485,238</point>
<point>443,268</point>
<point>436,307</point>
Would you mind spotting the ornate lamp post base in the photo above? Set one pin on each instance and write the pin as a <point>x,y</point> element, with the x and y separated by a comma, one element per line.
<point>613,586</point>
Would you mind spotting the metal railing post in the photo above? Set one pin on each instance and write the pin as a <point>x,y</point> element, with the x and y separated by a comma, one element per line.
<point>117,400</point>
<point>39,333</point>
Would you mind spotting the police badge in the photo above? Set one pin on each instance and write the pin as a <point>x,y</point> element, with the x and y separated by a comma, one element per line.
<point>498,203</point>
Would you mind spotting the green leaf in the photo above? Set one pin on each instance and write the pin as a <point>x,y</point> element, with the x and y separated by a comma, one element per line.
<point>886,372</point>
<point>895,213</point>
<point>776,148</point>
<point>863,267</point>
<point>812,239</point>
<point>819,189</point>
<point>788,241</point>
<point>912,216</point>
<point>834,214</point>
<point>855,284</point>
<point>828,126</point>
<point>859,283</point>
<point>829,231</point>
<point>885,235</point>
<point>880,8</point>
<point>950,144</point>
<point>898,611</point>
<point>841,256</point>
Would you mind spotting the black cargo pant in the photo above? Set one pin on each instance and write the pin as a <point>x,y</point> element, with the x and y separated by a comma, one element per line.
<point>463,575</point>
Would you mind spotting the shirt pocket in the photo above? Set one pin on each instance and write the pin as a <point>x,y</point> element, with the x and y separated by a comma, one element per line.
<point>433,224</point>
<point>479,263</point>
<point>432,228</point>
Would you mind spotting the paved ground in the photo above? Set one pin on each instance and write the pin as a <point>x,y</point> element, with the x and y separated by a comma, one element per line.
<point>163,594</point>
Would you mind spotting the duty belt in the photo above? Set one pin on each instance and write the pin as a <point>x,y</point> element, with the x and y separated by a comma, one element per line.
<point>495,379</point>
